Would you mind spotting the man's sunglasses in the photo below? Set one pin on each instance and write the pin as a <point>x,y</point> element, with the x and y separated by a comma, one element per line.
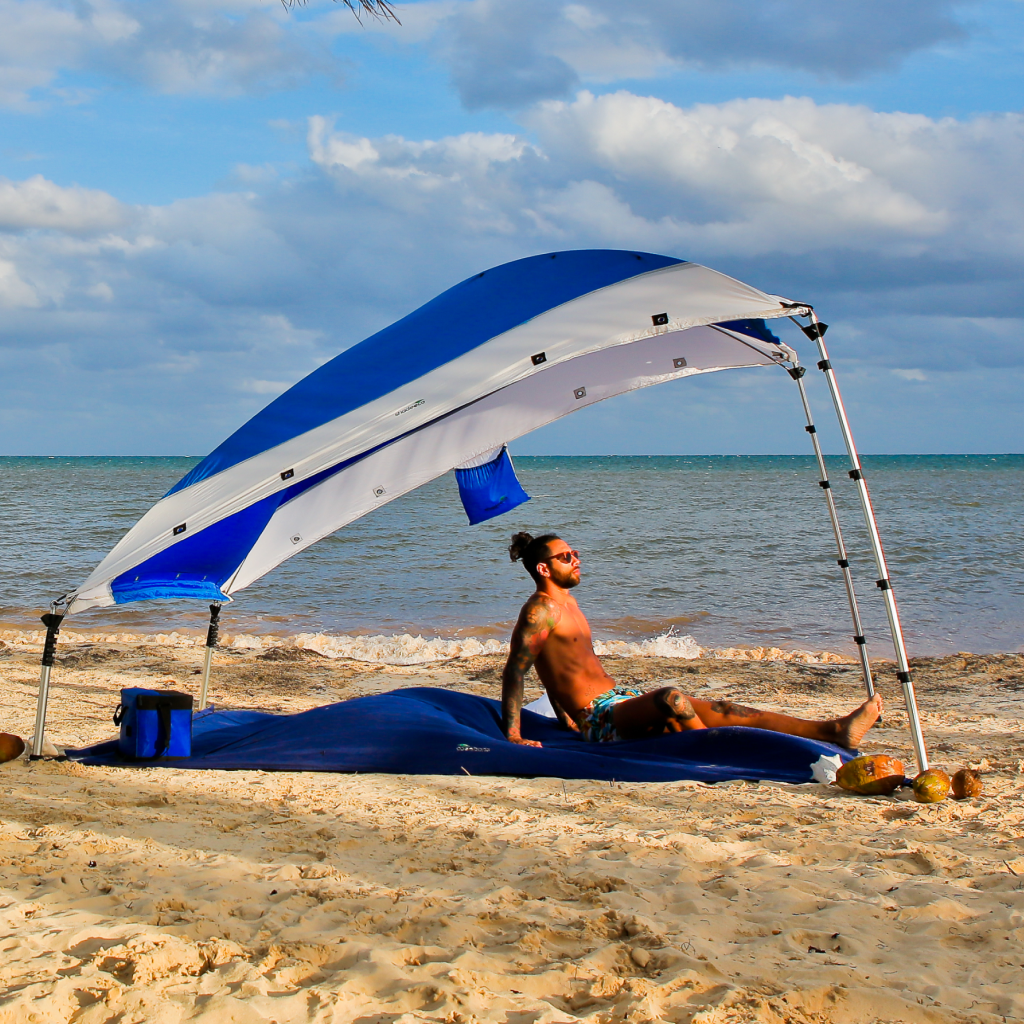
<point>565,556</point>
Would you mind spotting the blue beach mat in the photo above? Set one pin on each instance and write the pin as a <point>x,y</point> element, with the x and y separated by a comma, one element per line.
<point>426,731</point>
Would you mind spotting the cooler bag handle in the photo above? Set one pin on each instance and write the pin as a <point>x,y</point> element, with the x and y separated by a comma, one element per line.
<point>119,714</point>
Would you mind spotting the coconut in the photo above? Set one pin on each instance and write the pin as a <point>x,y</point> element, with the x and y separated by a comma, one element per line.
<point>931,787</point>
<point>966,784</point>
<point>871,775</point>
<point>11,746</point>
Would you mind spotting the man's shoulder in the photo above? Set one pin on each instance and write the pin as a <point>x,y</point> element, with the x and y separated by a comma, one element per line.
<point>541,610</point>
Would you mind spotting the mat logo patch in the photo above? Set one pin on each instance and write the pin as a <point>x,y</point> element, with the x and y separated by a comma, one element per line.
<point>473,750</point>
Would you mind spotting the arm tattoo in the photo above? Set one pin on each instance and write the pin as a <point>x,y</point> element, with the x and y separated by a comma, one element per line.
<point>538,617</point>
<point>512,688</point>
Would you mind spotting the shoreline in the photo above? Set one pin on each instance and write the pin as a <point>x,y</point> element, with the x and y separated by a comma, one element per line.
<point>406,649</point>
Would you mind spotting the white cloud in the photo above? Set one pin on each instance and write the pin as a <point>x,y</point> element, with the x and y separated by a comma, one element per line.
<point>174,46</point>
<point>253,175</point>
<point>38,203</point>
<point>41,37</point>
<point>450,158</point>
<point>751,175</point>
<point>101,290</point>
<point>186,50</point>
<point>330,149</point>
<point>467,186</point>
<point>510,53</point>
<point>14,292</point>
<point>505,53</point>
<point>264,387</point>
<point>739,179</point>
<point>760,183</point>
<point>905,231</point>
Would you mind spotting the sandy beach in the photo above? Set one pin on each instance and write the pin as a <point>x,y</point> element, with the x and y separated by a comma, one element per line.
<point>156,895</point>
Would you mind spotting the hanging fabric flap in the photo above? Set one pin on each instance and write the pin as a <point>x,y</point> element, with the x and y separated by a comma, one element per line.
<point>491,489</point>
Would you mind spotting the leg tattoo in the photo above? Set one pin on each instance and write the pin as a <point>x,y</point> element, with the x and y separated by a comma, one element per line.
<point>674,708</point>
<point>727,707</point>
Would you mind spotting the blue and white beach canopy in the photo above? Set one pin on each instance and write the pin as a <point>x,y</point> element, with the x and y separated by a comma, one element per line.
<point>487,361</point>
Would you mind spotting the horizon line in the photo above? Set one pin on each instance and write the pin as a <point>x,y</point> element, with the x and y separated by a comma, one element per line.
<point>594,455</point>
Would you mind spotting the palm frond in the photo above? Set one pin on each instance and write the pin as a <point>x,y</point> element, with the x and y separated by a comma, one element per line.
<point>383,10</point>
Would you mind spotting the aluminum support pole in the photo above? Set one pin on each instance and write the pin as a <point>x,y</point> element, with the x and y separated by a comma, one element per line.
<point>816,331</point>
<point>52,623</point>
<point>212,636</point>
<point>797,373</point>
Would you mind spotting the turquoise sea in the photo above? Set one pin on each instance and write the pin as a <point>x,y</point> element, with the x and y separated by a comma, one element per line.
<point>734,550</point>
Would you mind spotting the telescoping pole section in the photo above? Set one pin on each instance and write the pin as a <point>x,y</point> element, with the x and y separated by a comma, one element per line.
<point>212,636</point>
<point>797,372</point>
<point>815,330</point>
<point>52,623</point>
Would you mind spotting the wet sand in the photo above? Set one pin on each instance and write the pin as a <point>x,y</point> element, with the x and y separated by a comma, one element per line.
<point>155,895</point>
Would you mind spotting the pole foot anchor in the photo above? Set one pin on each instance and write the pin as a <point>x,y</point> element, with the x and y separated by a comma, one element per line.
<point>212,636</point>
<point>52,622</point>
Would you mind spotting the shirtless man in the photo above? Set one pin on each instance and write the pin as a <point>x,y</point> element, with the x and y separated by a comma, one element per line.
<point>553,634</point>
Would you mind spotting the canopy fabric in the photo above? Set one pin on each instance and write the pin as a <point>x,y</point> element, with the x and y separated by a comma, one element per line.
<point>487,361</point>
<point>427,731</point>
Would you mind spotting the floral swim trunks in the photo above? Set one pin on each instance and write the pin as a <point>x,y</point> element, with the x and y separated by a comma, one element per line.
<point>595,720</point>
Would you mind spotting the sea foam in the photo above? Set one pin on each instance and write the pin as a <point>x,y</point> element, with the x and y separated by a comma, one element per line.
<point>406,649</point>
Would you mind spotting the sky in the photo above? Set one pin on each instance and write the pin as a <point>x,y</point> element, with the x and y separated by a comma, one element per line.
<point>203,200</point>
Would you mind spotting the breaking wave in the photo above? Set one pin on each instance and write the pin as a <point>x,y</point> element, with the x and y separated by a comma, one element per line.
<point>405,649</point>
<point>397,650</point>
<point>416,650</point>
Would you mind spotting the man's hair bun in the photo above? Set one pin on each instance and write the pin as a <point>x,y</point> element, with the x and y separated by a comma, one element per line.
<point>531,550</point>
<point>519,545</point>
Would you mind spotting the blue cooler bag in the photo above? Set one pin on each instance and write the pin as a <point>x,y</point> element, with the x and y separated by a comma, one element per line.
<point>155,724</point>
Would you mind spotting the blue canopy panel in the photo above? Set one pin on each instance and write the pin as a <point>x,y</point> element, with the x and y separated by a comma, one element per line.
<point>450,325</point>
<point>490,490</point>
<point>198,566</point>
<point>756,329</point>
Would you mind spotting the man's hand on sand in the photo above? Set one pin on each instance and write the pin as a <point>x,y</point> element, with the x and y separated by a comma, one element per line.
<point>516,738</point>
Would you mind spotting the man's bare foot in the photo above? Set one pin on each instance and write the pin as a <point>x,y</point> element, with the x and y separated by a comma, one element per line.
<point>852,728</point>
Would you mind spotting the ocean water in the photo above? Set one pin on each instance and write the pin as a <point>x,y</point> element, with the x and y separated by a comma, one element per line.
<point>733,550</point>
